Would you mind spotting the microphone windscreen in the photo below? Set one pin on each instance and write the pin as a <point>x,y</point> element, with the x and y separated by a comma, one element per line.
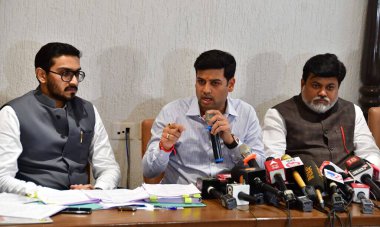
<point>354,162</point>
<point>285,157</point>
<point>313,175</point>
<point>330,167</point>
<point>269,158</point>
<point>245,150</point>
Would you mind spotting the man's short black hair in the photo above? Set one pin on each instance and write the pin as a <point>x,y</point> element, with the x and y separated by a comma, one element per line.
<point>324,65</point>
<point>216,59</point>
<point>44,57</point>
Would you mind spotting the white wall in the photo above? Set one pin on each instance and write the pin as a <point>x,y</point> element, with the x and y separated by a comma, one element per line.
<point>138,54</point>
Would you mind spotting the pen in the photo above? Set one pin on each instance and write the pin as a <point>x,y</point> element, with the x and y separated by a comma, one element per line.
<point>168,208</point>
<point>81,136</point>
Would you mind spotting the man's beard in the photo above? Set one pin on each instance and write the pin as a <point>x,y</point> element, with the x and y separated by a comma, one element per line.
<point>53,90</point>
<point>320,107</point>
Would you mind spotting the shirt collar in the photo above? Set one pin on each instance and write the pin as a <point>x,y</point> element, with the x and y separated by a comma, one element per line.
<point>195,111</point>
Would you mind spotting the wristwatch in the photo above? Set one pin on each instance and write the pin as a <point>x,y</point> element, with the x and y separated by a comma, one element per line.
<point>234,144</point>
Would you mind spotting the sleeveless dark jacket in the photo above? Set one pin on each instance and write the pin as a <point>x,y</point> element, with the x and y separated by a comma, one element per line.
<point>55,141</point>
<point>318,136</point>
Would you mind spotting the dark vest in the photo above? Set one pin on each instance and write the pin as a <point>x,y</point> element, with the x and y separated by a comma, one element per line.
<point>318,136</point>
<point>55,141</point>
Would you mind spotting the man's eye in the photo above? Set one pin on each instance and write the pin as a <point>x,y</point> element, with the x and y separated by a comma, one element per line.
<point>202,82</point>
<point>315,85</point>
<point>215,83</point>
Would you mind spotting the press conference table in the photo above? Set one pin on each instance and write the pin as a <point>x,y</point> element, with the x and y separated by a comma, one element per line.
<point>211,215</point>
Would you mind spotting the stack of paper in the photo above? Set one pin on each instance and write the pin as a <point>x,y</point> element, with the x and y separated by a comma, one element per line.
<point>176,195</point>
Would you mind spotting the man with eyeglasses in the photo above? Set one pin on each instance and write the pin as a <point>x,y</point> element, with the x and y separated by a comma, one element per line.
<point>49,136</point>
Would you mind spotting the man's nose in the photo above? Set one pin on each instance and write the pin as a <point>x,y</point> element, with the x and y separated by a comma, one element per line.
<point>74,81</point>
<point>322,92</point>
<point>207,88</point>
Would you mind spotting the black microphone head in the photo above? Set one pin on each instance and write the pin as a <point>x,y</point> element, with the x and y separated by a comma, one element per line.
<point>330,167</point>
<point>354,162</point>
<point>313,175</point>
<point>269,158</point>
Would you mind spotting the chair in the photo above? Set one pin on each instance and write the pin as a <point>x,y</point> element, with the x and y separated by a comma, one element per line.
<point>374,123</point>
<point>146,126</point>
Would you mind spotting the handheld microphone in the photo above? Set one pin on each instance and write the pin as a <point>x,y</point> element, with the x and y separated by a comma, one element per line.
<point>314,178</point>
<point>362,172</point>
<point>276,175</point>
<point>215,141</point>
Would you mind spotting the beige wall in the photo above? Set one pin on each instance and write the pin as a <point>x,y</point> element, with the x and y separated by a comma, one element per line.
<point>138,54</point>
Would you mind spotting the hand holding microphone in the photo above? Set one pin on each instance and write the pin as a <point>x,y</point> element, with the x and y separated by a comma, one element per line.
<point>219,127</point>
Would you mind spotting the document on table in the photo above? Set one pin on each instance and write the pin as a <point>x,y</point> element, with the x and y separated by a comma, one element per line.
<point>66,197</point>
<point>15,198</point>
<point>13,220</point>
<point>34,211</point>
<point>171,190</point>
<point>118,195</point>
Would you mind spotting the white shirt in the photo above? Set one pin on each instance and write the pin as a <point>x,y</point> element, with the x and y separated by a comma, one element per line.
<point>274,136</point>
<point>106,170</point>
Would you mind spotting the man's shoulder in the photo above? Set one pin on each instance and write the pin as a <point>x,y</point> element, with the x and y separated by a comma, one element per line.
<point>179,103</point>
<point>239,103</point>
<point>287,103</point>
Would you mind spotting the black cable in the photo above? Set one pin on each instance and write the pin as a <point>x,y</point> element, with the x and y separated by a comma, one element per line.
<point>289,221</point>
<point>128,158</point>
<point>349,217</point>
<point>338,218</point>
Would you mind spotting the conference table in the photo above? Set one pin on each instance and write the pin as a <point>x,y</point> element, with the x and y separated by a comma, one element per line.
<point>212,215</point>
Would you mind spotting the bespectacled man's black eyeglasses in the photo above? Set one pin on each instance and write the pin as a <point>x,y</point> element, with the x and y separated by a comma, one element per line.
<point>68,75</point>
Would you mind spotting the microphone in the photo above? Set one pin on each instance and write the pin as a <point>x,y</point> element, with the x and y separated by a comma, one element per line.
<point>362,172</point>
<point>241,193</point>
<point>314,178</point>
<point>215,141</point>
<point>331,174</point>
<point>276,175</point>
<point>249,158</point>
<point>361,196</point>
<point>226,200</point>
<point>245,175</point>
<point>266,187</point>
<point>292,165</point>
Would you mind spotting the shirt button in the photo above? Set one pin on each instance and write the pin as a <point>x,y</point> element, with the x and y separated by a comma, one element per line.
<point>325,132</point>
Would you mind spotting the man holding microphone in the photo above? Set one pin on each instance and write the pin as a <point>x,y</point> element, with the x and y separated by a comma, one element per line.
<point>180,145</point>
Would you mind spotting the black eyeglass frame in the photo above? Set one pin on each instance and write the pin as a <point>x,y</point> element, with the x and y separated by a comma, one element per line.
<point>68,75</point>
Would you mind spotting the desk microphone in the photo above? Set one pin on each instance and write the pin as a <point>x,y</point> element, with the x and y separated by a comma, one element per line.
<point>249,158</point>
<point>215,141</point>
<point>226,200</point>
<point>315,178</point>
<point>276,175</point>
<point>361,196</point>
<point>362,172</point>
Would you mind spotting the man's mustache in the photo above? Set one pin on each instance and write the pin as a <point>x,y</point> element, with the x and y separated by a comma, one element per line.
<point>71,87</point>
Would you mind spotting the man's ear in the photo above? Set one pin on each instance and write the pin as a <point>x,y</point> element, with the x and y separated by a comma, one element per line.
<point>231,84</point>
<point>41,75</point>
<point>303,83</point>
